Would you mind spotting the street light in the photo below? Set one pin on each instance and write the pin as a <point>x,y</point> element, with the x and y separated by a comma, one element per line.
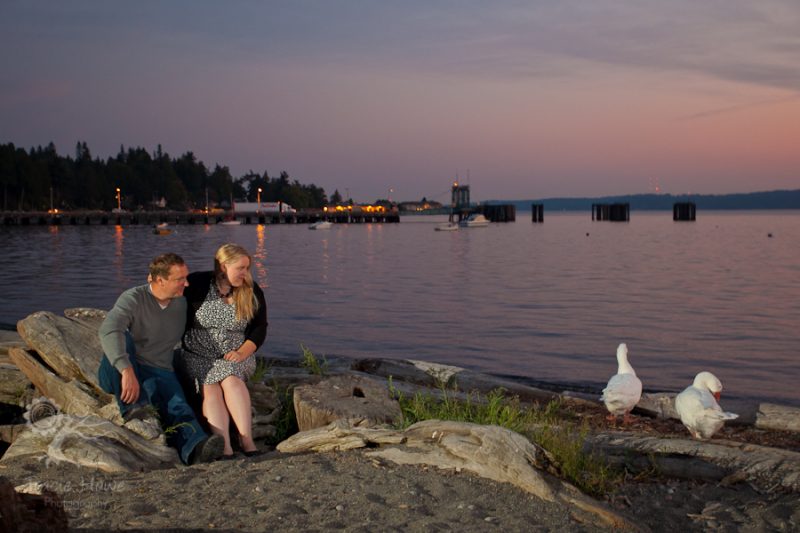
<point>258,201</point>
<point>119,200</point>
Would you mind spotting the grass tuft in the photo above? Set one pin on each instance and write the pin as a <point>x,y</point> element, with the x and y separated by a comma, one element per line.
<point>310,362</point>
<point>550,426</point>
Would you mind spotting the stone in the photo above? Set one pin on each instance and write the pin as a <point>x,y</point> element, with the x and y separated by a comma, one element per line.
<point>359,399</point>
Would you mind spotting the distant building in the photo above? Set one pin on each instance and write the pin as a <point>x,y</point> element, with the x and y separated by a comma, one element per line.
<point>416,207</point>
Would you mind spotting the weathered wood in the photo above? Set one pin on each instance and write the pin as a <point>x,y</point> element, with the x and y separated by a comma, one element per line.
<point>72,397</point>
<point>760,415</point>
<point>338,436</point>
<point>93,442</point>
<point>435,375</point>
<point>71,348</point>
<point>781,417</point>
<point>13,384</point>
<point>9,432</point>
<point>761,465</point>
<point>361,400</point>
<point>488,451</point>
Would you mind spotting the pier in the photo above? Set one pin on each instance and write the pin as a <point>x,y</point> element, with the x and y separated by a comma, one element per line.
<point>150,218</point>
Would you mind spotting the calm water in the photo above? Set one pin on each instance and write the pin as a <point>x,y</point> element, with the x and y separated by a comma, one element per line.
<point>548,301</point>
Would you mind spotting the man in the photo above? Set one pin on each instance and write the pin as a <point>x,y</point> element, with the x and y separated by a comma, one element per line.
<point>139,337</point>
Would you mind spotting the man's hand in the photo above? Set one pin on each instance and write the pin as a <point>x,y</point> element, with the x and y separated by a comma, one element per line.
<point>130,386</point>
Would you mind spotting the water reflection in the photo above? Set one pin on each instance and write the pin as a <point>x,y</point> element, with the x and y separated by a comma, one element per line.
<point>549,301</point>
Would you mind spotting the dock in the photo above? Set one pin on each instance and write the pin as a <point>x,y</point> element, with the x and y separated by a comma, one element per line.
<point>151,218</point>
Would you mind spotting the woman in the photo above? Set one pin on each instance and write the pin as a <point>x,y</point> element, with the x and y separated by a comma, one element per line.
<point>226,324</point>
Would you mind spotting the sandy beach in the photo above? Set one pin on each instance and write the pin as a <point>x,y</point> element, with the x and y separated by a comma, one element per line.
<point>352,492</point>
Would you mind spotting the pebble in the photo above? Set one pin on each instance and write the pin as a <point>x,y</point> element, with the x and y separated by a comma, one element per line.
<point>489,519</point>
<point>340,507</point>
<point>278,478</point>
<point>257,489</point>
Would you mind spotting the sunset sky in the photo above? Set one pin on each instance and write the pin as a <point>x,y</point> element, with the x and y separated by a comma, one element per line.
<point>527,99</point>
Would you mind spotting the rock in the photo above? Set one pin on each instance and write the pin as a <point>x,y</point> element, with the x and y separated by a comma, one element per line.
<point>69,346</point>
<point>360,400</point>
<point>25,512</point>
<point>90,441</point>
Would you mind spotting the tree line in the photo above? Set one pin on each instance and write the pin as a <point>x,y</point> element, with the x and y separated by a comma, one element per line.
<point>39,178</point>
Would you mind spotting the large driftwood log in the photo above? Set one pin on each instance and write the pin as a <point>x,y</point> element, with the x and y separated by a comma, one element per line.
<point>358,399</point>
<point>780,417</point>
<point>69,346</point>
<point>434,375</point>
<point>93,442</point>
<point>488,451</point>
<point>760,415</point>
<point>338,436</point>
<point>71,397</point>
<point>766,467</point>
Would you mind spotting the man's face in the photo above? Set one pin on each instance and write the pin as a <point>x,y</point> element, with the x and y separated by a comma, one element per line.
<point>176,281</point>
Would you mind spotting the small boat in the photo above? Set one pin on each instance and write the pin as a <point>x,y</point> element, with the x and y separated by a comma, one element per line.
<point>475,220</point>
<point>321,224</point>
<point>446,226</point>
<point>162,229</point>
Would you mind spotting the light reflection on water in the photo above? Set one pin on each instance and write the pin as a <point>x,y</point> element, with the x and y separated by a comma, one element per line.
<point>549,301</point>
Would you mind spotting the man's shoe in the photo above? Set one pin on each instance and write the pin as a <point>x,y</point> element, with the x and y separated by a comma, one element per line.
<point>208,450</point>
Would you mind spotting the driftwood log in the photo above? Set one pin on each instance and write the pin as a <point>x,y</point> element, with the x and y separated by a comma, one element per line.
<point>488,451</point>
<point>91,441</point>
<point>68,344</point>
<point>360,400</point>
<point>766,467</point>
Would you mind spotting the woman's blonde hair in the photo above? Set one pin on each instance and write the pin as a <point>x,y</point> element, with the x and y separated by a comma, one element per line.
<point>243,297</point>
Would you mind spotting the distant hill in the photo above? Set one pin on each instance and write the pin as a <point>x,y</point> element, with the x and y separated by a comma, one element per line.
<point>657,202</point>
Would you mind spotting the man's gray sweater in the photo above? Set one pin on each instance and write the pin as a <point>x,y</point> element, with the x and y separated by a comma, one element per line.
<point>156,332</point>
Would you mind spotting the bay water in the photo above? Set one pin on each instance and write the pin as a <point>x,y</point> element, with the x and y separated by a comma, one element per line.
<point>547,301</point>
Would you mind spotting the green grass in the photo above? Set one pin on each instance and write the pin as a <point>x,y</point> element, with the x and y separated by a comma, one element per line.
<point>286,424</point>
<point>262,367</point>
<point>310,362</point>
<point>552,427</point>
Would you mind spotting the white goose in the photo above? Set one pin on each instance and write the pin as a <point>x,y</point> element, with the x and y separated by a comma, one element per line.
<point>698,408</point>
<point>624,389</point>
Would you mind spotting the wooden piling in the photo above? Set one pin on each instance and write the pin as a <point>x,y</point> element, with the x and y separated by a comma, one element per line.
<point>611,212</point>
<point>537,212</point>
<point>684,211</point>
